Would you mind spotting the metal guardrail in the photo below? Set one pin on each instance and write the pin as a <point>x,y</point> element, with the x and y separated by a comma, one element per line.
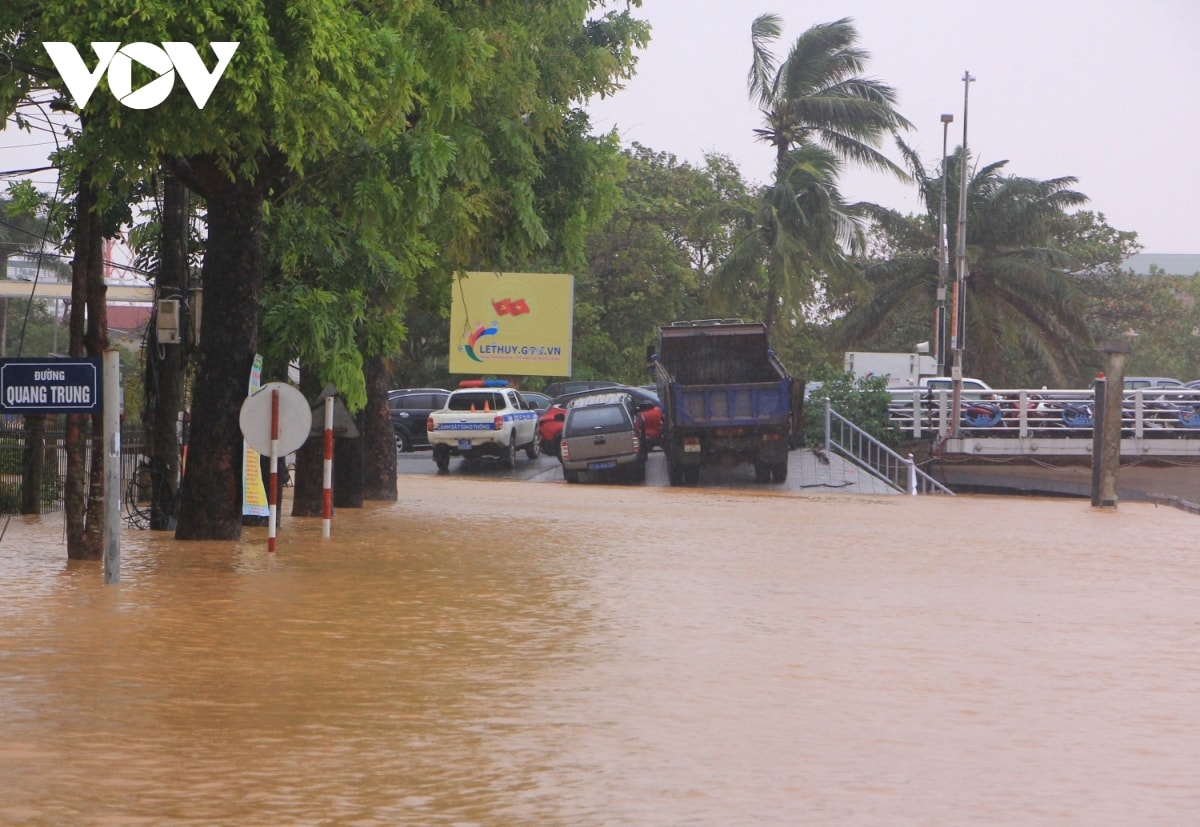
<point>1048,414</point>
<point>877,459</point>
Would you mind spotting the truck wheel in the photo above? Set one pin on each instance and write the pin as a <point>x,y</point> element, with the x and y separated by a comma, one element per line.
<point>762,472</point>
<point>510,454</point>
<point>674,472</point>
<point>691,474</point>
<point>534,449</point>
<point>571,476</point>
<point>639,470</point>
<point>441,457</point>
<point>779,472</point>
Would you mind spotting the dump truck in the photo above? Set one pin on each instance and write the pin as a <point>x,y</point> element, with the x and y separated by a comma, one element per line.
<point>726,399</point>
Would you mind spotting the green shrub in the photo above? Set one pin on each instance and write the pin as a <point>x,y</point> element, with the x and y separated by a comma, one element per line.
<point>863,401</point>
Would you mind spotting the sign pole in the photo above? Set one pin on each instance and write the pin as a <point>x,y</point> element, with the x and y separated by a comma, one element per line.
<point>273,488</point>
<point>327,494</point>
<point>275,420</point>
<point>111,388</point>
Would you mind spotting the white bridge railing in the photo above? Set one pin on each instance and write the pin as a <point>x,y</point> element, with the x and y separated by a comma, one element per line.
<point>1047,414</point>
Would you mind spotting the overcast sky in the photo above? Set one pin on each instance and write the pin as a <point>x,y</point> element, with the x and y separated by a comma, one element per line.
<point>1107,91</point>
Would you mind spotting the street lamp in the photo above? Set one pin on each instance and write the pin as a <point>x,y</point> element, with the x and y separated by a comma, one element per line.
<point>939,335</point>
<point>958,312</point>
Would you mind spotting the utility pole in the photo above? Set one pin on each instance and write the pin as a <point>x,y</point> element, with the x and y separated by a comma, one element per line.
<point>939,335</point>
<point>166,362</point>
<point>958,313</point>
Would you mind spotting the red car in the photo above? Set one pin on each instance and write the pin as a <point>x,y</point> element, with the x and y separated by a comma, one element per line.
<point>550,422</point>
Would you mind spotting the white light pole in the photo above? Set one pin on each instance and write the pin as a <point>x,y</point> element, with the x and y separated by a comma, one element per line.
<point>943,262</point>
<point>958,314</point>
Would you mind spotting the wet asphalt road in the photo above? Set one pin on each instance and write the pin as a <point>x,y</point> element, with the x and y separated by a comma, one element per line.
<point>806,472</point>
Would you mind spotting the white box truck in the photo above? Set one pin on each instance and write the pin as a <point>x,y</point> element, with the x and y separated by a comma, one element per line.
<point>903,370</point>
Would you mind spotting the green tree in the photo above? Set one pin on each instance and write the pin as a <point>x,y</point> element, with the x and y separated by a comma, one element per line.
<point>496,169</point>
<point>650,263</point>
<point>24,229</point>
<point>1158,314</point>
<point>791,241</point>
<point>309,80</point>
<point>1024,322</point>
<point>818,112</point>
<point>1096,247</point>
<point>818,96</point>
<point>305,78</point>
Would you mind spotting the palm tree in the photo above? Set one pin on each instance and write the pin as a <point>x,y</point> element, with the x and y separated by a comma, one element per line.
<point>817,94</point>
<point>1021,299</point>
<point>790,233</point>
<point>819,113</point>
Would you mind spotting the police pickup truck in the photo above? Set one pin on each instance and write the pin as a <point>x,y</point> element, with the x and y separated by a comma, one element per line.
<point>484,418</point>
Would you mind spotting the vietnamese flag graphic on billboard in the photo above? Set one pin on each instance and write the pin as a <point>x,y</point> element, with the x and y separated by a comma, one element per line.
<point>515,324</point>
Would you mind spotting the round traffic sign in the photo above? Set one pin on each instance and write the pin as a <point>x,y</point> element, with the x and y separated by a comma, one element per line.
<point>295,418</point>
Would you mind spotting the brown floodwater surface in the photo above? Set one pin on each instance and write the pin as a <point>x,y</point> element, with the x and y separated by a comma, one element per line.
<point>502,653</point>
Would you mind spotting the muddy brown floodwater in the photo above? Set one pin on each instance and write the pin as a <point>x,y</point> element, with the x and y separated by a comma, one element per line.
<point>490,652</point>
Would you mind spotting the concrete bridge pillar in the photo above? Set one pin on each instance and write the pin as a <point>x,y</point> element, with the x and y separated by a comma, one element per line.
<point>1106,453</point>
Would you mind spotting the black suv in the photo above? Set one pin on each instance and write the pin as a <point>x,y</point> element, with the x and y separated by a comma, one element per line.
<point>410,407</point>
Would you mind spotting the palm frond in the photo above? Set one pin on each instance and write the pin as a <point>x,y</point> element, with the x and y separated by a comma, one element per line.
<point>763,67</point>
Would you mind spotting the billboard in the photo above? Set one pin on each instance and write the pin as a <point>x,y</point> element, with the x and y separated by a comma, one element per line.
<point>513,324</point>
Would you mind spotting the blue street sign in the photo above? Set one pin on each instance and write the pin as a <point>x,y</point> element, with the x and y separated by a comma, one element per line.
<point>50,385</point>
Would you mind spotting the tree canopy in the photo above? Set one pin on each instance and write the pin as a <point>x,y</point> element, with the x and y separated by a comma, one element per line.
<point>436,120</point>
<point>818,112</point>
<point>1023,313</point>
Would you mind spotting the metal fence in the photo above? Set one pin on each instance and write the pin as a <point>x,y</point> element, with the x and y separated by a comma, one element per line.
<point>1151,413</point>
<point>877,459</point>
<point>13,473</point>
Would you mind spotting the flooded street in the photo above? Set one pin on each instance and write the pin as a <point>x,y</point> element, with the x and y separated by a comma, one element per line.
<point>490,652</point>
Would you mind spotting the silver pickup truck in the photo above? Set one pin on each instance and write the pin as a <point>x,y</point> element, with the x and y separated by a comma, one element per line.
<point>604,435</point>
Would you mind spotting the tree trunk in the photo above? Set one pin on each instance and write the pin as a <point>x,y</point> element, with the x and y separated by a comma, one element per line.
<point>210,506</point>
<point>348,469</point>
<point>165,363</point>
<point>33,461</point>
<point>379,440</point>
<point>84,493</point>
<point>3,306</point>
<point>309,478</point>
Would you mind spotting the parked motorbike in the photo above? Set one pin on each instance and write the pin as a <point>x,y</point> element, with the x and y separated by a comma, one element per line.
<point>983,414</point>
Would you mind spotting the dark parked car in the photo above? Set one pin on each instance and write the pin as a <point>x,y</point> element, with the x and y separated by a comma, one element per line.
<point>557,389</point>
<point>603,434</point>
<point>410,408</point>
<point>538,401</point>
<point>1134,383</point>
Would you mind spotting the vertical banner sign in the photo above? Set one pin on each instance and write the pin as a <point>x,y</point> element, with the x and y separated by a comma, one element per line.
<point>254,492</point>
<point>512,324</point>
